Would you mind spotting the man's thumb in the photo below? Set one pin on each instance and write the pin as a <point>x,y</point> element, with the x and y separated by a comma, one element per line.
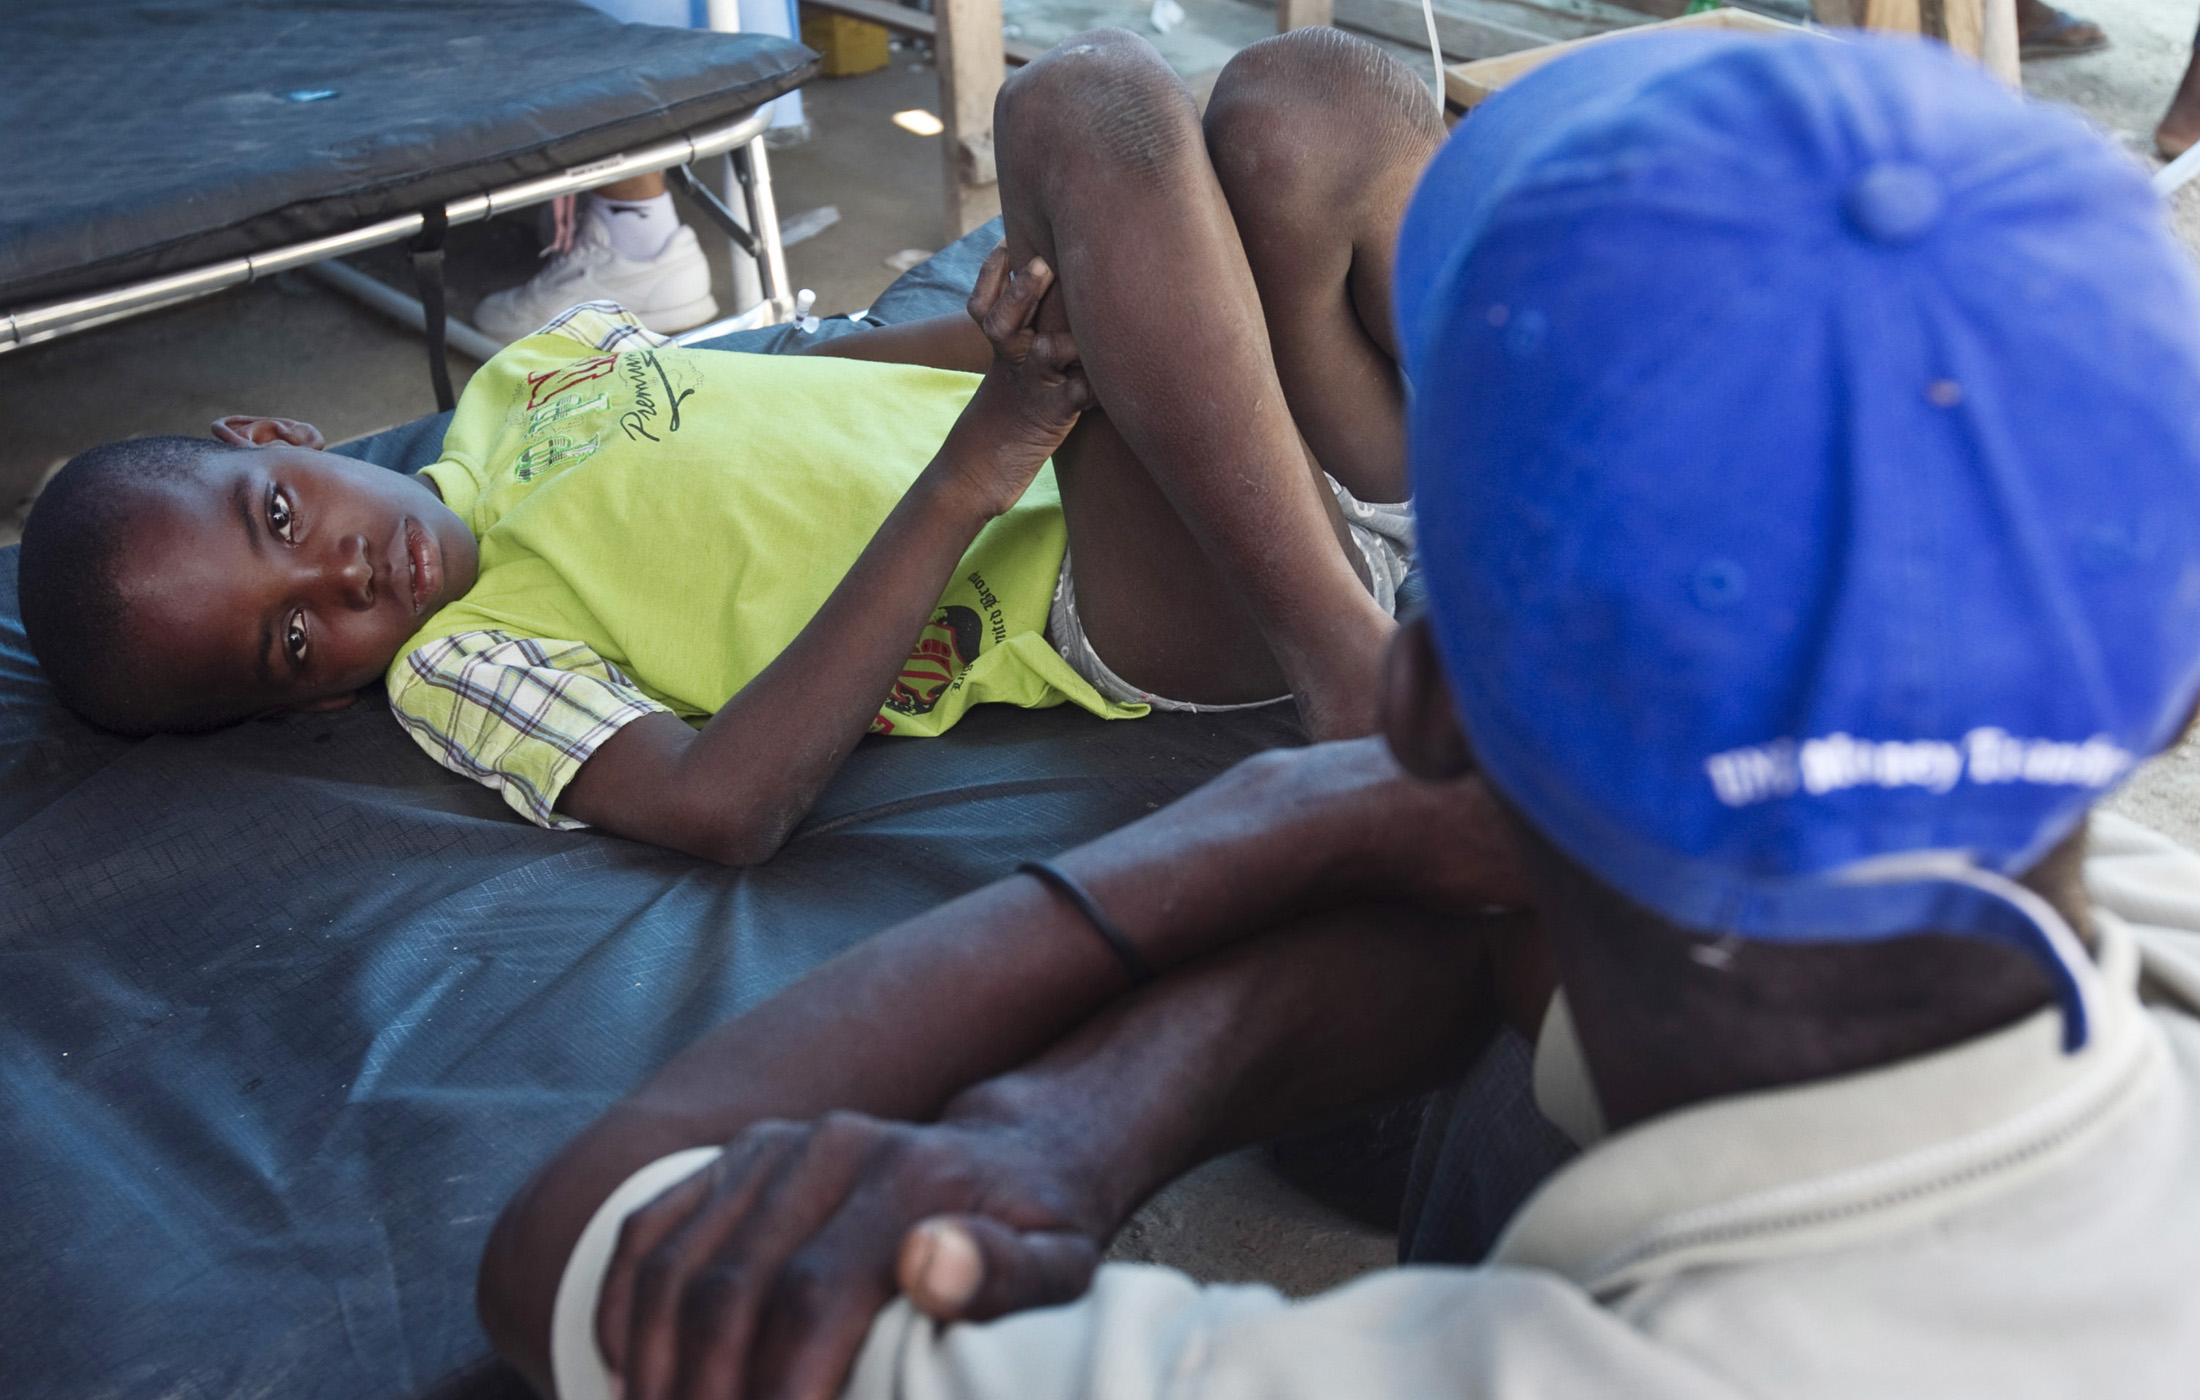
<point>971,1268</point>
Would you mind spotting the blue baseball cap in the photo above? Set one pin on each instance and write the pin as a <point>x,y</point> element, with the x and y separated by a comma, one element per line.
<point>1806,445</point>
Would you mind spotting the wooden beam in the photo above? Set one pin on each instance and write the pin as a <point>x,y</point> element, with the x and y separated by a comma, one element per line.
<point>967,46</point>
<point>1962,24</point>
<point>1302,14</point>
<point>903,20</point>
<point>1984,30</point>
<point>1468,84</point>
<point>1998,42</point>
<point>1892,16</point>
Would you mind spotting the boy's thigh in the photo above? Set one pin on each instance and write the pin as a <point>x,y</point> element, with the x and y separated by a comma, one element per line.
<point>1158,611</point>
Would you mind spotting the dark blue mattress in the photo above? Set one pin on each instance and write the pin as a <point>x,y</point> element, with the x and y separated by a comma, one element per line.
<point>288,1011</point>
<point>143,137</point>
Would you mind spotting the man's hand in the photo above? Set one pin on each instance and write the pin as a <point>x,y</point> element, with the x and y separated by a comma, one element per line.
<point>1326,843</point>
<point>1034,390</point>
<point>1361,828</point>
<point>760,1276</point>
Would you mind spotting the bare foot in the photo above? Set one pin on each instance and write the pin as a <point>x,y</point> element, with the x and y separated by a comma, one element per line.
<point>2180,126</point>
<point>2046,32</point>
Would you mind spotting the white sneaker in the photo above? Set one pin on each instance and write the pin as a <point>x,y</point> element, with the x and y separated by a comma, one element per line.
<point>670,292</point>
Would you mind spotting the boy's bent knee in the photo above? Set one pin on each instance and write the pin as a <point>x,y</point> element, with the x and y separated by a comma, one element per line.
<point>1321,66</point>
<point>1305,109</point>
<point>1104,96</point>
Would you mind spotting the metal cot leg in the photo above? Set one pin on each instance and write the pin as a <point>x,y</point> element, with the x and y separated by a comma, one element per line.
<point>755,169</point>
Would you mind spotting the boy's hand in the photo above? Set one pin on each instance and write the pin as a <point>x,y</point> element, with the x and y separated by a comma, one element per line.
<point>1035,389</point>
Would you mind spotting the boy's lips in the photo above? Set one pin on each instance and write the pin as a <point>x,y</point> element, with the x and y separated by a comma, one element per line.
<point>425,564</point>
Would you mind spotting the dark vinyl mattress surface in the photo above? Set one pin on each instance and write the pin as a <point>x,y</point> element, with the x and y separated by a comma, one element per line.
<point>288,1011</point>
<point>144,137</point>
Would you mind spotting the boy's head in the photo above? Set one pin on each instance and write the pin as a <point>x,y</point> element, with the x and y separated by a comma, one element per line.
<point>175,583</point>
<point>1806,438</point>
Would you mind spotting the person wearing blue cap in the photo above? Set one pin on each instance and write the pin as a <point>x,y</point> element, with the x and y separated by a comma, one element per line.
<point>1806,437</point>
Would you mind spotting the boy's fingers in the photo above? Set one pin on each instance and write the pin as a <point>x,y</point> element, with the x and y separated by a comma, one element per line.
<point>1019,304</point>
<point>1028,290</point>
<point>1057,350</point>
<point>1037,278</point>
<point>972,1267</point>
<point>992,275</point>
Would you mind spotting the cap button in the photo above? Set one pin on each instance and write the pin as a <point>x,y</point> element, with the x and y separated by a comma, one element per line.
<point>1893,201</point>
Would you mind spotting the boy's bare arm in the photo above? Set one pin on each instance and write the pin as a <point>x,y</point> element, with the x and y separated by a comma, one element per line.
<point>941,342</point>
<point>734,790</point>
<point>990,980</point>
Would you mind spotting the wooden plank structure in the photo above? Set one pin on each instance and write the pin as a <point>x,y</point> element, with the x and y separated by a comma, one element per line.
<point>1466,85</point>
<point>1984,29</point>
<point>971,54</point>
<point>968,49</point>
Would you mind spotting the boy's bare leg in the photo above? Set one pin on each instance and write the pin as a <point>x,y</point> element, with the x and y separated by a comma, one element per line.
<point>1318,139</point>
<point>1105,173</point>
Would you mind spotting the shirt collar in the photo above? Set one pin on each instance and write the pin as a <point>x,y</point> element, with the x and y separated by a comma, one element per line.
<point>1775,1173</point>
<point>460,491</point>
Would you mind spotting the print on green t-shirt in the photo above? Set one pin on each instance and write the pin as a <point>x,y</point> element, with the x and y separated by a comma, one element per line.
<point>686,512</point>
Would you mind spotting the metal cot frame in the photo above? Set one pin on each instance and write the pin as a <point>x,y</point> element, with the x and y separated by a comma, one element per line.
<point>742,140</point>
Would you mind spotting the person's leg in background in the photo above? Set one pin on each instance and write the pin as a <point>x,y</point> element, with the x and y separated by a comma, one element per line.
<point>2046,32</point>
<point>639,214</point>
<point>623,243</point>
<point>2179,128</point>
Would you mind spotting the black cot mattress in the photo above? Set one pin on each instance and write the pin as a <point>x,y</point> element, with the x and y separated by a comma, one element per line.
<point>288,1011</point>
<point>144,137</point>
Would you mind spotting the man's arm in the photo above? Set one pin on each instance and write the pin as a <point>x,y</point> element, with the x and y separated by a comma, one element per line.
<point>899,1026</point>
<point>734,790</point>
<point>760,1276</point>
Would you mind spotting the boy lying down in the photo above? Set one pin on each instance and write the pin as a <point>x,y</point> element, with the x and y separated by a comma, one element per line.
<point>665,591</point>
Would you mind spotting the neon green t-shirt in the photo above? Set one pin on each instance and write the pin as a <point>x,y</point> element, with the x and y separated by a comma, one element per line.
<point>658,524</point>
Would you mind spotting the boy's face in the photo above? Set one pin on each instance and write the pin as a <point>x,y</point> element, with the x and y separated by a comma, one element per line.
<point>285,577</point>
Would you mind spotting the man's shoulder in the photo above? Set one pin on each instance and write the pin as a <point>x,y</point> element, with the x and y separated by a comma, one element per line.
<point>2151,883</point>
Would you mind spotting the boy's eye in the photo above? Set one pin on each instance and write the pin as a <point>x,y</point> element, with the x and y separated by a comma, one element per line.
<point>278,515</point>
<point>294,637</point>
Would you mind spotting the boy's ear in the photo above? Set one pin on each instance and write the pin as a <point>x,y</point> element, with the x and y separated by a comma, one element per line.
<point>1419,720</point>
<point>244,430</point>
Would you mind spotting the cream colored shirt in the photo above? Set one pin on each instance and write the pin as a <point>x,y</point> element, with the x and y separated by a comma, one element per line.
<point>1998,1219</point>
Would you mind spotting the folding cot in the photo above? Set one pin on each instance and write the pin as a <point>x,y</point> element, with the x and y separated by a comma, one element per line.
<point>159,150</point>
<point>289,1011</point>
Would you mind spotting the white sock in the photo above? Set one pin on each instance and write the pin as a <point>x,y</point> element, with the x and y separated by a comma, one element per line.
<point>639,228</point>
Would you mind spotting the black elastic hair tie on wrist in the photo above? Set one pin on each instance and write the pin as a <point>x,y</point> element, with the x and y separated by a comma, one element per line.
<point>1111,933</point>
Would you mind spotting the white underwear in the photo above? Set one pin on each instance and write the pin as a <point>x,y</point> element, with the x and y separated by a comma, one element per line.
<point>1384,534</point>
